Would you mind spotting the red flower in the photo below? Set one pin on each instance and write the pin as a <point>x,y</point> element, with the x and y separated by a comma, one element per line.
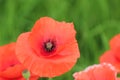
<point>113,55</point>
<point>109,57</point>
<point>10,67</point>
<point>102,71</point>
<point>50,49</point>
<point>115,42</point>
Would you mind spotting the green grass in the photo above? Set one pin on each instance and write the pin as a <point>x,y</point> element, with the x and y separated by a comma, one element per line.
<point>96,22</point>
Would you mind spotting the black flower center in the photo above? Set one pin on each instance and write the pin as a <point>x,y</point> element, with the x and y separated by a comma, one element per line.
<point>49,46</point>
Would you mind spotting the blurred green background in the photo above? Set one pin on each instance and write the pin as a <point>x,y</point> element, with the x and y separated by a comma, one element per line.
<point>96,22</point>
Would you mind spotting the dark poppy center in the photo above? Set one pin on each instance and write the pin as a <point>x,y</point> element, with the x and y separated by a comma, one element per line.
<point>49,46</point>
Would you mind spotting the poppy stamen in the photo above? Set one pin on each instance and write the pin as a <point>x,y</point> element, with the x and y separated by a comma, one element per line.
<point>49,46</point>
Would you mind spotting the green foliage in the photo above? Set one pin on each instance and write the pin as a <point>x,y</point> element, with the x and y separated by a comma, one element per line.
<point>96,22</point>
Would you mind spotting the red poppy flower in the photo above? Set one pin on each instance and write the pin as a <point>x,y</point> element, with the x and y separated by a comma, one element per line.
<point>113,55</point>
<point>109,57</point>
<point>102,71</point>
<point>10,67</point>
<point>115,42</point>
<point>50,49</point>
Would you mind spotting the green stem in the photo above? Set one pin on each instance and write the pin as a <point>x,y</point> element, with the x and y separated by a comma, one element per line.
<point>50,79</point>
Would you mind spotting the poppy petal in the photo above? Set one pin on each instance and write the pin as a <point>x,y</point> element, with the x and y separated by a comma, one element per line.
<point>81,76</point>
<point>10,67</point>
<point>115,42</point>
<point>118,78</point>
<point>105,72</point>
<point>102,71</point>
<point>109,57</point>
<point>9,62</point>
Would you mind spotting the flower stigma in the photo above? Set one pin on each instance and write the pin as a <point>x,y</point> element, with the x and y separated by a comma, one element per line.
<point>49,46</point>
